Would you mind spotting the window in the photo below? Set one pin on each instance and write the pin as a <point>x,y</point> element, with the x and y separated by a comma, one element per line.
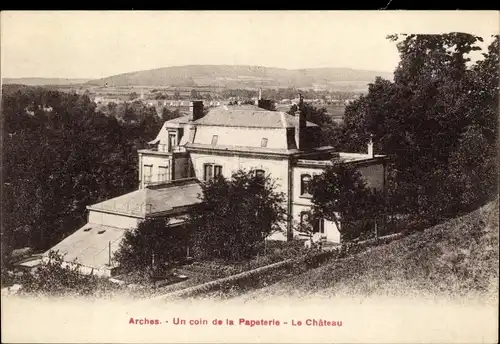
<point>217,171</point>
<point>148,172</point>
<point>318,226</point>
<point>208,173</point>
<point>171,141</point>
<point>211,171</point>
<point>214,140</point>
<point>263,143</point>
<point>305,185</point>
<point>163,174</point>
<point>260,174</point>
<point>304,218</point>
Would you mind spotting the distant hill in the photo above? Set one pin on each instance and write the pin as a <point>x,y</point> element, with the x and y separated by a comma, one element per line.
<point>245,77</point>
<point>43,81</point>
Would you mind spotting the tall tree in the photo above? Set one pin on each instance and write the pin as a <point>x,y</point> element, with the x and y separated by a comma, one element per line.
<point>340,194</point>
<point>419,119</point>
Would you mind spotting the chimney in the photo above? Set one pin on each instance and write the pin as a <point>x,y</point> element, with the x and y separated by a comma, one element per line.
<point>259,98</point>
<point>370,147</point>
<point>191,132</point>
<point>300,129</point>
<point>196,109</point>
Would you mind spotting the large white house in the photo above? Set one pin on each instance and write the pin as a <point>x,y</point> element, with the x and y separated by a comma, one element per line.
<point>194,148</point>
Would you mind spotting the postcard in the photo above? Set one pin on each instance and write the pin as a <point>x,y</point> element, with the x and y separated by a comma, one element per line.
<point>250,176</point>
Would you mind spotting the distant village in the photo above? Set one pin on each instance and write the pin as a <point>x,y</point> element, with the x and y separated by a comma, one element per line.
<point>333,103</point>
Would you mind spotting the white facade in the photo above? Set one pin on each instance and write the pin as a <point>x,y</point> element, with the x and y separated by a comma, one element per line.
<point>248,138</point>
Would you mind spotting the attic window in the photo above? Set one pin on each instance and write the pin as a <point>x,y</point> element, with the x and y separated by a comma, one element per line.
<point>101,231</point>
<point>263,143</point>
<point>87,229</point>
<point>214,140</point>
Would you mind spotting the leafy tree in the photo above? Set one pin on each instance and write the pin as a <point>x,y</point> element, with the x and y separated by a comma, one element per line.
<point>72,156</point>
<point>195,94</point>
<point>167,115</point>
<point>329,129</point>
<point>177,95</point>
<point>236,215</point>
<point>340,195</point>
<point>151,244</point>
<point>428,118</point>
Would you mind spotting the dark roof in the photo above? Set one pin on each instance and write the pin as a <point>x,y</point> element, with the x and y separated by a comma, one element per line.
<point>249,116</point>
<point>150,201</point>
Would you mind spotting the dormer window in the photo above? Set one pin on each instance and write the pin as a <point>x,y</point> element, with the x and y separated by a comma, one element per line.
<point>214,140</point>
<point>172,141</point>
<point>263,143</point>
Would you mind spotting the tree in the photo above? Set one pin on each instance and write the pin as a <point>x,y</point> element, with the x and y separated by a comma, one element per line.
<point>167,115</point>
<point>153,243</point>
<point>73,156</point>
<point>340,195</point>
<point>236,216</point>
<point>422,119</point>
<point>177,95</point>
<point>195,94</point>
<point>329,129</point>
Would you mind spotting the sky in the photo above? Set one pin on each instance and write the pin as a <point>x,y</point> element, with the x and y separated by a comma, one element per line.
<point>103,43</point>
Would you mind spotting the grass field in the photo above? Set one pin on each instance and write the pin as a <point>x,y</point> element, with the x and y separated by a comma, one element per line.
<point>453,259</point>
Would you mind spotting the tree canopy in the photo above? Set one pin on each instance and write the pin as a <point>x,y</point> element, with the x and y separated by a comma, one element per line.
<point>340,194</point>
<point>60,154</point>
<point>437,121</point>
<point>236,215</point>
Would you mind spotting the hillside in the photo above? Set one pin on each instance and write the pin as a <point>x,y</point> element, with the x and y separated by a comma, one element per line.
<point>43,81</point>
<point>457,258</point>
<point>245,76</point>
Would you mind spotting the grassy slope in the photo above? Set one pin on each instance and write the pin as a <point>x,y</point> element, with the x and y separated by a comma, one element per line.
<point>456,258</point>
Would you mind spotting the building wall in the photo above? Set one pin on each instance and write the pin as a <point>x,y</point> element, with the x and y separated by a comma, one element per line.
<point>182,167</point>
<point>112,220</point>
<point>247,137</point>
<point>155,161</point>
<point>277,169</point>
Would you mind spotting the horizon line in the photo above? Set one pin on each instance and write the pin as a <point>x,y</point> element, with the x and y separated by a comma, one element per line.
<point>190,65</point>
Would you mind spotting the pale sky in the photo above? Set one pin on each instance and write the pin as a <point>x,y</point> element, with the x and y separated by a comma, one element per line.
<point>101,43</point>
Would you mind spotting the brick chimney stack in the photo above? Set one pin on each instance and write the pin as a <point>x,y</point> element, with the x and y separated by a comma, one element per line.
<point>196,109</point>
<point>300,129</point>
<point>259,98</point>
<point>370,147</point>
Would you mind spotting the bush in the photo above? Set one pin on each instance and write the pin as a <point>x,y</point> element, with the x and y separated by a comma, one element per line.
<point>53,279</point>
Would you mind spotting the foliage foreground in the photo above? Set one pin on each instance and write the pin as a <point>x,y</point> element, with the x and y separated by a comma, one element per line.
<point>458,258</point>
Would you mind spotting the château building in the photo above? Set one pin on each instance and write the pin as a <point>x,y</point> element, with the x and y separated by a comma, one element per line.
<point>195,148</point>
